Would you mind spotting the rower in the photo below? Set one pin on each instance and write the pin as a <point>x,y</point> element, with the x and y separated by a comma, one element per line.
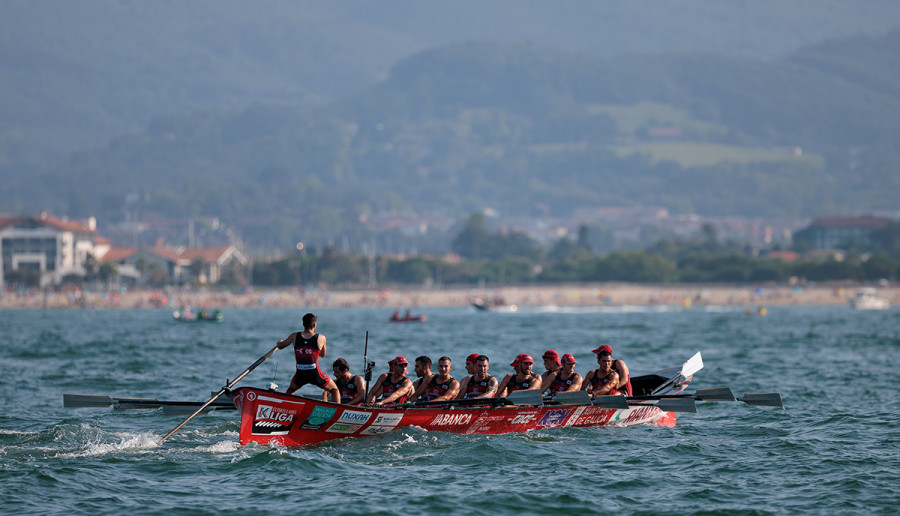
<point>620,368</point>
<point>308,347</point>
<point>525,378</point>
<point>393,387</point>
<point>423,372</point>
<point>479,385</point>
<point>565,379</point>
<point>470,363</point>
<point>501,389</point>
<point>349,385</point>
<point>603,380</point>
<point>441,386</point>
<point>551,365</point>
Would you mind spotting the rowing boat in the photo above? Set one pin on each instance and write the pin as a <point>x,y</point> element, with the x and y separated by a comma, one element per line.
<point>271,418</point>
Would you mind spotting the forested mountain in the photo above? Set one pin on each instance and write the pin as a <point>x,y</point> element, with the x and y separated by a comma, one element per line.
<point>517,127</point>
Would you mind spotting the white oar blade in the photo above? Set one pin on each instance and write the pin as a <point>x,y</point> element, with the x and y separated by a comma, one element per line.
<point>763,399</point>
<point>529,397</point>
<point>573,398</point>
<point>677,405</point>
<point>694,364</point>
<point>613,402</point>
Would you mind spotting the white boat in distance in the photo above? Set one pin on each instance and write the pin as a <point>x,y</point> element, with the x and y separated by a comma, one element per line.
<point>868,298</point>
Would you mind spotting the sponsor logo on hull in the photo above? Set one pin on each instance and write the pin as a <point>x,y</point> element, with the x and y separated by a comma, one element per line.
<point>451,419</point>
<point>320,415</point>
<point>554,417</point>
<point>349,422</point>
<point>271,420</point>
<point>383,423</point>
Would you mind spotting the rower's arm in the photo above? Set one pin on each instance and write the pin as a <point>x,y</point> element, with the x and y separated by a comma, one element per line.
<point>462,388</point>
<point>287,341</point>
<point>535,383</point>
<point>360,391</point>
<point>321,346</point>
<point>586,381</point>
<point>624,375</point>
<point>394,396</point>
<point>451,392</point>
<point>422,386</point>
<point>608,386</point>
<point>491,390</point>
<point>501,389</point>
<point>548,380</point>
<point>576,383</point>
<point>376,389</point>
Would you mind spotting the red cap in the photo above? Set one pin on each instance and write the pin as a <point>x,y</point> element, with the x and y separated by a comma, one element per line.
<point>514,363</point>
<point>551,354</point>
<point>472,357</point>
<point>605,347</point>
<point>568,358</point>
<point>524,357</point>
<point>399,360</point>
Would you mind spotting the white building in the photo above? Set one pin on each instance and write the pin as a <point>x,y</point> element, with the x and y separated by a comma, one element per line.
<point>49,246</point>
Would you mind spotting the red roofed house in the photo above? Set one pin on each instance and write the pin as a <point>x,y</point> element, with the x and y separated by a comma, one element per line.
<point>205,265</point>
<point>47,246</point>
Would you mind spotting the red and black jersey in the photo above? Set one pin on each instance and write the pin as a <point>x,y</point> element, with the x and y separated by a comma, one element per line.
<point>389,387</point>
<point>347,388</point>
<point>306,352</point>
<point>597,382</point>
<point>435,389</point>
<point>477,388</point>
<point>560,385</point>
<point>516,385</point>
<point>627,386</point>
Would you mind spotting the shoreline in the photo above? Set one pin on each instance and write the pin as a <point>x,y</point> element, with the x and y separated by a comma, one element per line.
<point>601,294</point>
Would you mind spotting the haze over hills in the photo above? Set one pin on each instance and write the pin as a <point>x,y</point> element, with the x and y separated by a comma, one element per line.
<point>360,107</point>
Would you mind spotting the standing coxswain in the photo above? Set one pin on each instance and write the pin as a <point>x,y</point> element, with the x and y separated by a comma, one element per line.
<point>308,347</point>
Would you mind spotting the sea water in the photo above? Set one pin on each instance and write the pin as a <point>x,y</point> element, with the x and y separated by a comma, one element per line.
<point>832,450</point>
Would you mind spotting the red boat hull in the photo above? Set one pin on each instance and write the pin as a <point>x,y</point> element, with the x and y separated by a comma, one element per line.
<point>269,418</point>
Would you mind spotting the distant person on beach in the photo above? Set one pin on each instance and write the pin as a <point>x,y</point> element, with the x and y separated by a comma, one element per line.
<point>564,379</point>
<point>525,378</point>
<point>350,386</point>
<point>441,386</point>
<point>603,380</point>
<point>392,387</point>
<point>479,385</point>
<point>620,368</point>
<point>308,347</point>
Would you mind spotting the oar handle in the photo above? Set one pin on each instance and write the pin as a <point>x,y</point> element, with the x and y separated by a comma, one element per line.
<point>222,391</point>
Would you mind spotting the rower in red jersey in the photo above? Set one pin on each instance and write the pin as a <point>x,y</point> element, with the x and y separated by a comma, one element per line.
<point>525,378</point>
<point>479,385</point>
<point>620,368</point>
<point>393,387</point>
<point>603,380</point>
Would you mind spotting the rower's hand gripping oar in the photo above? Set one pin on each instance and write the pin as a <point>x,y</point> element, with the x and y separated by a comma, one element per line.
<point>222,391</point>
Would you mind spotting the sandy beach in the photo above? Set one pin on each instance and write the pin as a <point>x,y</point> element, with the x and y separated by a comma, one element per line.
<point>612,294</point>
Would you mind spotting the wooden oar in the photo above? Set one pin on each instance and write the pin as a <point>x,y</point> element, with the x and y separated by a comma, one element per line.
<point>222,391</point>
<point>95,401</point>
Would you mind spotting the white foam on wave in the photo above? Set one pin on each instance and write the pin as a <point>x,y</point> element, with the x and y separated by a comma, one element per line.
<point>143,442</point>
<point>220,447</point>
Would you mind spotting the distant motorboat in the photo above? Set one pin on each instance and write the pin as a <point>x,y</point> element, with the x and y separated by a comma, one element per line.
<point>186,315</point>
<point>868,298</point>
